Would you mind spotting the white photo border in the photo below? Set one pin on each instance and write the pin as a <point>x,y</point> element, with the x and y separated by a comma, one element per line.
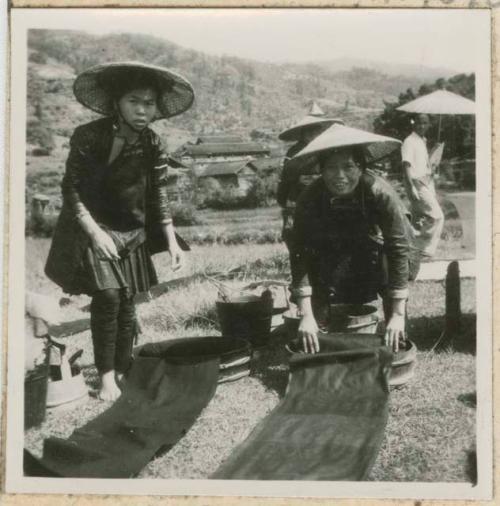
<point>24,19</point>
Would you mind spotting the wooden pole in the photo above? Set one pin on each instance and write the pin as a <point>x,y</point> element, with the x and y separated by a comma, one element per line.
<point>439,128</point>
<point>453,315</point>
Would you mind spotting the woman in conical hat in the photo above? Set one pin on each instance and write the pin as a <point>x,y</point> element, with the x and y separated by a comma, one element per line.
<point>298,174</point>
<point>115,211</point>
<point>352,238</point>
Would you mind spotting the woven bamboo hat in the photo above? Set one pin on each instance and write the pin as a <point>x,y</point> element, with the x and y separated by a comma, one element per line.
<point>339,136</point>
<point>315,118</point>
<point>294,132</point>
<point>96,87</point>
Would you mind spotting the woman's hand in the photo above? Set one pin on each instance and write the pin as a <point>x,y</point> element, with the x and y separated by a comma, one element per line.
<point>103,245</point>
<point>395,331</point>
<point>177,256</point>
<point>308,331</point>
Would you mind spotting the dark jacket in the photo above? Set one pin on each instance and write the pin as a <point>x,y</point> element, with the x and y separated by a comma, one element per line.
<point>373,218</point>
<point>90,146</point>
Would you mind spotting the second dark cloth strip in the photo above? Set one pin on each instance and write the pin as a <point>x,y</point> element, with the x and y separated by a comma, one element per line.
<point>330,424</point>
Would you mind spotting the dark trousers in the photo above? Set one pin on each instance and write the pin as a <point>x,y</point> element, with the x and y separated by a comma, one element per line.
<point>113,325</point>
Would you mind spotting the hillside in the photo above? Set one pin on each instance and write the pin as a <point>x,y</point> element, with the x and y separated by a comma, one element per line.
<point>232,94</point>
<point>403,70</point>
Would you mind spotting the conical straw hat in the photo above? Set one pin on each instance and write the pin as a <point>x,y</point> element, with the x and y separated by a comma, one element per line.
<point>338,136</point>
<point>293,133</point>
<point>94,87</point>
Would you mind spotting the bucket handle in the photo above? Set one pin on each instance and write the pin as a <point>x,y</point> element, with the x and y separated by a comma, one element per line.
<point>270,282</point>
<point>57,344</point>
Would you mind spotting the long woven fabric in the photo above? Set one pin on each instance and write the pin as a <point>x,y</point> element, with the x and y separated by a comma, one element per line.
<point>161,401</point>
<point>329,426</point>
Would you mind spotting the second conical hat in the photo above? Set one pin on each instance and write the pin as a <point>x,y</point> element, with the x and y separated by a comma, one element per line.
<point>338,136</point>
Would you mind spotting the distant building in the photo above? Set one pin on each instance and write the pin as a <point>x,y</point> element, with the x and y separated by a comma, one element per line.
<point>218,139</point>
<point>263,134</point>
<point>237,175</point>
<point>266,166</point>
<point>221,151</point>
<point>223,158</point>
<point>176,163</point>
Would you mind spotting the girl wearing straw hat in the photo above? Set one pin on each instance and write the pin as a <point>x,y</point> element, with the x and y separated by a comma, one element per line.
<point>115,212</point>
<point>352,237</point>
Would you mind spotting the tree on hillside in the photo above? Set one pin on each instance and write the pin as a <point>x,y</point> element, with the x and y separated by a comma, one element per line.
<point>457,132</point>
<point>38,130</point>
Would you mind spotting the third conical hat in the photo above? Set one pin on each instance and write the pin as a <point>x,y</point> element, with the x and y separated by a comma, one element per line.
<point>316,110</point>
<point>294,132</point>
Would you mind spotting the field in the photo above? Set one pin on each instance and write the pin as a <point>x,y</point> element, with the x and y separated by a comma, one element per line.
<point>431,431</point>
<point>263,226</point>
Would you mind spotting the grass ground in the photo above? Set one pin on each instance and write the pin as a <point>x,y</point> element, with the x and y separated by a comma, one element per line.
<point>430,435</point>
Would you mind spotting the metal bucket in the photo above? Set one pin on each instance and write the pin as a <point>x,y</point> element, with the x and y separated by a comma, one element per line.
<point>35,393</point>
<point>351,318</point>
<point>358,318</point>
<point>247,317</point>
<point>66,382</point>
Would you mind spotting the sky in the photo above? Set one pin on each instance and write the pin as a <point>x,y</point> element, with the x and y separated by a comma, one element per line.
<point>434,38</point>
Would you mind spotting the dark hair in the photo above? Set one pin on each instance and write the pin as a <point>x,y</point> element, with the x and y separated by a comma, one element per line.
<point>415,118</point>
<point>119,82</point>
<point>357,153</point>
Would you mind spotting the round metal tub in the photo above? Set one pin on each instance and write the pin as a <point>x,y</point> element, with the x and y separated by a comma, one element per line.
<point>351,318</point>
<point>403,362</point>
<point>234,353</point>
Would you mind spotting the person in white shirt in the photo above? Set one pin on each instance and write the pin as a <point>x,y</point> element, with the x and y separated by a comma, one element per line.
<point>419,182</point>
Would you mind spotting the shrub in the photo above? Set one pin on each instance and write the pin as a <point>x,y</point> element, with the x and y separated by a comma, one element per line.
<point>227,198</point>
<point>262,193</point>
<point>37,57</point>
<point>222,198</point>
<point>39,134</point>
<point>184,215</point>
<point>208,189</point>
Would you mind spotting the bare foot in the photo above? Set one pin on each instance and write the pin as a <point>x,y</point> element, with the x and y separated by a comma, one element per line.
<point>109,389</point>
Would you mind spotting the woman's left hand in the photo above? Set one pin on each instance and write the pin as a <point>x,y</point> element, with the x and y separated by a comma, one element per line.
<point>178,258</point>
<point>395,331</point>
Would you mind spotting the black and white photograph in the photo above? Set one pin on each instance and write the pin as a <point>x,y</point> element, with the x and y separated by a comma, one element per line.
<point>250,252</point>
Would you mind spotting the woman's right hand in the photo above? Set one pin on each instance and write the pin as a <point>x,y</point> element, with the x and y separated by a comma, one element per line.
<point>103,245</point>
<point>308,332</point>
